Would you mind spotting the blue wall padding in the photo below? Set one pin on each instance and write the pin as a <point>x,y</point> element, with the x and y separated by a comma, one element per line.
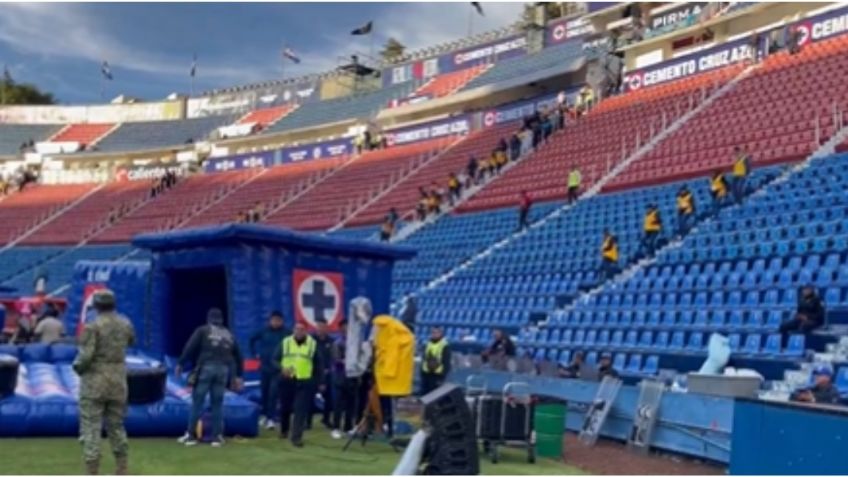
<point>45,401</point>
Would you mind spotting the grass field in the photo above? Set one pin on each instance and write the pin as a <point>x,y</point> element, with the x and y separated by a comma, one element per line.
<point>264,455</point>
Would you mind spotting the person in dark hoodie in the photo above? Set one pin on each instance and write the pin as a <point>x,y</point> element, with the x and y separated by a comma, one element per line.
<point>263,343</point>
<point>324,348</point>
<point>300,366</point>
<point>215,354</point>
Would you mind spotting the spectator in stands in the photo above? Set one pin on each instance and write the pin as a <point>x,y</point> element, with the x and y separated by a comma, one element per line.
<point>718,189</point>
<point>434,201</point>
<point>502,145</point>
<point>561,98</point>
<point>685,210</point>
<point>483,170</point>
<point>358,140</point>
<point>609,255</point>
<point>387,229</point>
<point>454,188</point>
<point>241,218</point>
<point>257,212</point>
<point>501,347</point>
<point>754,46</point>
<point>575,179</point>
<point>808,316</point>
<point>464,181</point>
<point>605,367</point>
<point>537,133</point>
<point>514,147</point>
<point>525,203</point>
<point>652,227</point>
<point>472,169</point>
<point>436,362</point>
<point>547,127</point>
<point>500,160</point>
<point>794,40</point>
<point>393,216</point>
<point>585,99</point>
<point>741,166</point>
<point>421,208</point>
<point>572,370</point>
<point>366,139</point>
<point>526,135</point>
<point>822,391</point>
<point>49,329</point>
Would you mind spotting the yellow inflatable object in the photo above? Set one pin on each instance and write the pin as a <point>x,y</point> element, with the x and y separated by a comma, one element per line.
<point>394,356</point>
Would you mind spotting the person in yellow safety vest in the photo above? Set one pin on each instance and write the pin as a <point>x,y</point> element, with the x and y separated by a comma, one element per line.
<point>609,255</point>
<point>652,228</point>
<point>741,166</point>
<point>574,181</point>
<point>685,210</point>
<point>718,189</point>
<point>500,159</point>
<point>454,188</point>
<point>435,364</point>
<point>300,365</point>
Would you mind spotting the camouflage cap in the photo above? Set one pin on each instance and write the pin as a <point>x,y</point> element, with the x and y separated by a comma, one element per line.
<point>104,297</point>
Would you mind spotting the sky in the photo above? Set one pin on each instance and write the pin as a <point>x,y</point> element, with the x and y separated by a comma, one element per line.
<point>149,46</point>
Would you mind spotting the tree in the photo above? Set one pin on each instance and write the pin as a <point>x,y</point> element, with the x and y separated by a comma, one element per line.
<point>392,50</point>
<point>22,93</point>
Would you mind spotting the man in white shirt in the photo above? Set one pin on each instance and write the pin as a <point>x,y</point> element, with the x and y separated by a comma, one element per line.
<point>49,330</point>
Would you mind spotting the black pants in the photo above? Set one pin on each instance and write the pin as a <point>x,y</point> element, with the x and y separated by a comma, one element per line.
<point>572,194</point>
<point>295,398</point>
<point>805,327</point>
<point>327,396</point>
<point>345,402</point>
<point>523,223</point>
<point>431,381</point>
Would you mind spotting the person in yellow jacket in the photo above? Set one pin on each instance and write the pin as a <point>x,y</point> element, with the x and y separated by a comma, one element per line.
<point>574,181</point>
<point>300,367</point>
<point>741,168</point>
<point>609,255</point>
<point>685,210</point>
<point>652,228</point>
<point>718,189</point>
<point>436,362</point>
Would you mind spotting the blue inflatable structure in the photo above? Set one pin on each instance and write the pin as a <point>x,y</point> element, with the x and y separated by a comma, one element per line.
<point>245,270</point>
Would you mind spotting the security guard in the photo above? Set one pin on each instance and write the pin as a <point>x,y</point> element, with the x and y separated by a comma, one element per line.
<point>103,382</point>
<point>609,255</point>
<point>740,173</point>
<point>574,181</point>
<point>685,210</point>
<point>435,365</point>
<point>300,367</point>
<point>718,189</point>
<point>652,228</point>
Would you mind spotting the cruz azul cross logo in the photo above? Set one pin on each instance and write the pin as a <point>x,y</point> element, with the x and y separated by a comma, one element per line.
<point>318,295</point>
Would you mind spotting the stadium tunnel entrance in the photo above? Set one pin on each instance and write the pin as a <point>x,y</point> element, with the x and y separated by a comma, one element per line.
<point>193,291</point>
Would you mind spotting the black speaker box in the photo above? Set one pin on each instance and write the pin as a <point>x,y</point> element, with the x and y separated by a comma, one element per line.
<point>146,385</point>
<point>8,376</point>
<point>452,445</point>
<point>493,414</point>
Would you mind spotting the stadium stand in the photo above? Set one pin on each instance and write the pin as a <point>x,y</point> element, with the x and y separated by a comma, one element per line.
<point>96,211</point>
<point>24,210</point>
<point>599,140</point>
<point>273,189</point>
<point>758,114</point>
<point>21,259</point>
<point>552,61</point>
<point>155,134</point>
<point>355,184</point>
<point>363,105</point>
<point>85,134</point>
<point>405,195</point>
<point>12,136</point>
<point>448,83</point>
<point>266,116</point>
<point>174,207</point>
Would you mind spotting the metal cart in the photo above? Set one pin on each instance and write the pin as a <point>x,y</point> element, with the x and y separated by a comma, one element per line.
<point>507,420</point>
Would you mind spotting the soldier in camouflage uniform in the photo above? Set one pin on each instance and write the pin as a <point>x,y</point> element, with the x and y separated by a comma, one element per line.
<point>103,382</point>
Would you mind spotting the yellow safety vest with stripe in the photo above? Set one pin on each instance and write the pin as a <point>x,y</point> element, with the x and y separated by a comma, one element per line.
<point>610,249</point>
<point>453,183</point>
<point>740,167</point>
<point>718,186</point>
<point>433,353</point>
<point>298,357</point>
<point>652,221</point>
<point>574,179</point>
<point>684,203</point>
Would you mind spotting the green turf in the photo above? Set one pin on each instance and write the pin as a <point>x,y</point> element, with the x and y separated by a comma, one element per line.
<point>265,455</point>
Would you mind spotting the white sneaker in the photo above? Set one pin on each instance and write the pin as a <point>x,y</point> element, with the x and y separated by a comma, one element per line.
<point>263,421</point>
<point>218,442</point>
<point>337,434</point>
<point>270,425</point>
<point>187,440</point>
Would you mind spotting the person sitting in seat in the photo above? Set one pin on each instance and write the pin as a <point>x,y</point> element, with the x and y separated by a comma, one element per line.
<point>572,370</point>
<point>502,346</point>
<point>808,316</point>
<point>609,255</point>
<point>718,189</point>
<point>685,210</point>
<point>822,391</point>
<point>652,228</point>
<point>605,367</point>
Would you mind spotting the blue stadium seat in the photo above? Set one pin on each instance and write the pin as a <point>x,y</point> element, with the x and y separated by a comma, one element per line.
<point>652,365</point>
<point>634,365</point>
<point>772,347</point>
<point>795,346</point>
<point>752,344</point>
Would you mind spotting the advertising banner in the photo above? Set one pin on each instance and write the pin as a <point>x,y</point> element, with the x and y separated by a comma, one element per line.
<point>816,28</point>
<point>500,50</point>
<point>564,30</point>
<point>240,161</point>
<point>673,14</point>
<point>422,132</point>
<point>321,150</point>
<point>103,113</point>
<point>148,172</point>
<point>234,102</point>
<point>518,110</point>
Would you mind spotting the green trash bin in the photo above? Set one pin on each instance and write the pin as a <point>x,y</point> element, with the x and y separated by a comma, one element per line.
<point>549,424</point>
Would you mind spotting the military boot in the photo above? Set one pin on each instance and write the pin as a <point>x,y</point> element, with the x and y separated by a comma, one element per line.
<point>121,466</point>
<point>92,467</point>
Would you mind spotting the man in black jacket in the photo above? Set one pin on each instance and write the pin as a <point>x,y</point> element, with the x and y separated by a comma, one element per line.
<point>809,316</point>
<point>324,349</point>
<point>215,354</point>
<point>500,348</point>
